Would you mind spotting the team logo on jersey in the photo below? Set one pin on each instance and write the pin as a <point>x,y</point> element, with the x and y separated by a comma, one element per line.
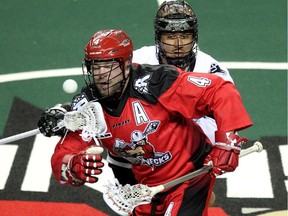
<point>215,68</point>
<point>141,84</point>
<point>140,151</point>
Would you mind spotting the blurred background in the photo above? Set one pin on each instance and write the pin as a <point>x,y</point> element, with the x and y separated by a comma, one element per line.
<point>48,37</point>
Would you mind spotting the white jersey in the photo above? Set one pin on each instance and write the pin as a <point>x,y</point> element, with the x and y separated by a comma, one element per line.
<point>204,64</point>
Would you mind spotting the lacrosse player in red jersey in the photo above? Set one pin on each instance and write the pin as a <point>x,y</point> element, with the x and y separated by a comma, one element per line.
<point>152,106</point>
<point>176,43</point>
<point>176,38</point>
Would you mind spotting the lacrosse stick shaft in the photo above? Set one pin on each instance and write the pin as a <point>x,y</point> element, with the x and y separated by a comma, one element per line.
<point>19,136</point>
<point>89,118</point>
<point>26,135</point>
<point>189,176</point>
<point>257,147</point>
<point>124,203</point>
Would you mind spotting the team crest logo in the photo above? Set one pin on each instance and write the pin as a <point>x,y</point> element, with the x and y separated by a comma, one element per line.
<point>215,68</point>
<point>140,151</point>
<point>141,84</point>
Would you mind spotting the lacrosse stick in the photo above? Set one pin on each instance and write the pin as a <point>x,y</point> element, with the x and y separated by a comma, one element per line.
<point>123,199</point>
<point>257,147</point>
<point>20,136</point>
<point>89,118</point>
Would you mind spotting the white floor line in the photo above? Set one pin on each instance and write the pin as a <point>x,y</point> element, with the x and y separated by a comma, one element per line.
<point>28,75</point>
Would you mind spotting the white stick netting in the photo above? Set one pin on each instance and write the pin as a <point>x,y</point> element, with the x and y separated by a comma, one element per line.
<point>123,199</point>
<point>89,118</point>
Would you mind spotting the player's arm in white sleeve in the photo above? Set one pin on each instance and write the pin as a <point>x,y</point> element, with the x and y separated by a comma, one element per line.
<point>145,55</point>
<point>207,64</point>
<point>221,71</point>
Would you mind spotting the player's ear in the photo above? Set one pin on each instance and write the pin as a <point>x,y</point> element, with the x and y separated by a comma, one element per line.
<point>127,66</point>
<point>128,63</point>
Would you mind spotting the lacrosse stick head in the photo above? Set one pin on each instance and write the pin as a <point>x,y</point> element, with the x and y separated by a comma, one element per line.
<point>123,199</point>
<point>89,118</point>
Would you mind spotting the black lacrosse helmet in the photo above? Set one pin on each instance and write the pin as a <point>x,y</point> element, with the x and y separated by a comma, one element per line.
<point>176,17</point>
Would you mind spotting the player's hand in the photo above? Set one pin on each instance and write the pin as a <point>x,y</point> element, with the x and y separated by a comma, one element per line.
<point>49,120</point>
<point>84,166</point>
<point>225,152</point>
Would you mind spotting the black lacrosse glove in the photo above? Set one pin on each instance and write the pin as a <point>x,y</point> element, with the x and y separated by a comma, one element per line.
<point>49,120</point>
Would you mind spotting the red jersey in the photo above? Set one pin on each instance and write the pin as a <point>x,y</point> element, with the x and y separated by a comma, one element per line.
<point>152,128</point>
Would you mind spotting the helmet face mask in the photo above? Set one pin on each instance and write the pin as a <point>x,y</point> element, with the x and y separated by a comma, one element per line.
<point>177,18</point>
<point>106,64</point>
<point>104,77</point>
<point>176,48</point>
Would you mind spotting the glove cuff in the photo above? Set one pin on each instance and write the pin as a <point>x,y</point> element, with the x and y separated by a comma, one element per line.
<point>226,147</point>
<point>59,107</point>
<point>67,175</point>
<point>229,141</point>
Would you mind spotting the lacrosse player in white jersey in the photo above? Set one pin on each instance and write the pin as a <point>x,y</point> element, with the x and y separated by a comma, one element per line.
<point>176,43</point>
<point>176,39</point>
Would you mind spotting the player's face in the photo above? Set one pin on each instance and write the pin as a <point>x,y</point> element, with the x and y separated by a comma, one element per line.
<point>107,77</point>
<point>177,45</point>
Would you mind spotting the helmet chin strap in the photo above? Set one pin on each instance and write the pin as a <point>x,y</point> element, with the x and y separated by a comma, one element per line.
<point>126,75</point>
<point>178,61</point>
<point>125,80</point>
<point>185,63</point>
